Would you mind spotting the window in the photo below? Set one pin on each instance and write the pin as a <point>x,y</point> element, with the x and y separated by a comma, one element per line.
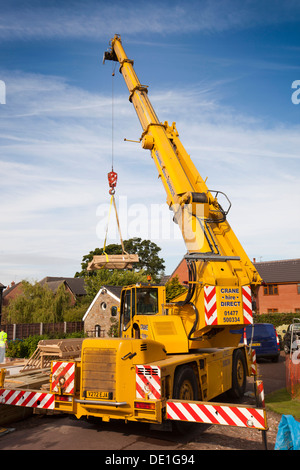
<point>103,305</point>
<point>272,310</point>
<point>147,301</point>
<point>127,307</point>
<point>298,288</point>
<point>113,311</point>
<point>271,289</point>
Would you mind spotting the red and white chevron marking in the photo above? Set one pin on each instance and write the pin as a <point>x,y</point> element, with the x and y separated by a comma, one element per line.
<point>217,414</point>
<point>63,377</point>
<point>253,363</point>
<point>247,305</point>
<point>26,398</point>
<point>210,305</point>
<point>148,382</point>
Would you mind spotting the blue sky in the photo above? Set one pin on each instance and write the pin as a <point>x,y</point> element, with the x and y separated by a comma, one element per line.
<point>223,70</point>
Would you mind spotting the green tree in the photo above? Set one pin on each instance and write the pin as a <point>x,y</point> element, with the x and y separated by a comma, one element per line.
<point>112,277</point>
<point>33,305</point>
<point>38,303</point>
<point>174,288</point>
<point>148,252</point>
<point>61,302</point>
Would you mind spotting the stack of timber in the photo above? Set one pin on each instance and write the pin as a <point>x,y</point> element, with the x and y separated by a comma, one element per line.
<point>51,349</point>
<point>124,261</point>
<point>32,380</point>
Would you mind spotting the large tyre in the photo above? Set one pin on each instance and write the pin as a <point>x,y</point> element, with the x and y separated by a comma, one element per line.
<point>185,388</point>
<point>185,384</point>
<point>238,374</point>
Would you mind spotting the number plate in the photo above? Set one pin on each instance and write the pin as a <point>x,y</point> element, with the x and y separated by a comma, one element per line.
<point>98,395</point>
<point>256,344</point>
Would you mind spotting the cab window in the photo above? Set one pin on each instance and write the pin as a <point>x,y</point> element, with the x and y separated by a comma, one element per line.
<point>127,307</point>
<point>147,301</point>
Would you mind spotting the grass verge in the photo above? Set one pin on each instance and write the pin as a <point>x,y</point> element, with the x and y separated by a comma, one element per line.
<point>281,402</point>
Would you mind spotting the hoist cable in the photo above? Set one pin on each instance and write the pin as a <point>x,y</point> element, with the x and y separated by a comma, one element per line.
<point>112,177</point>
<point>112,115</point>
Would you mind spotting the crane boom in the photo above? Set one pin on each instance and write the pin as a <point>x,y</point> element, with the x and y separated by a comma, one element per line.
<point>214,256</point>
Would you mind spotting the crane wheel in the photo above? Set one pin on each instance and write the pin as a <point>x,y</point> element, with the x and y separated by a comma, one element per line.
<point>185,384</point>
<point>238,374</point>
<point>186,388</point>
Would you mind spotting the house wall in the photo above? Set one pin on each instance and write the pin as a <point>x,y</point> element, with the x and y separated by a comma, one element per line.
<point>72,296</point>
<point>287,300</point>
<point>182,272</point>
<point>12,294</point>
<point>98,315</point>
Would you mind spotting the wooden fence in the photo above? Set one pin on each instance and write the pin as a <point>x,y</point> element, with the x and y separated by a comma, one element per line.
<point>21,331</point>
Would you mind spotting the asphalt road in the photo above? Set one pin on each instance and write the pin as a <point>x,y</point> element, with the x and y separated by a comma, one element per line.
<point>274,378</point>
<point>61,432</point>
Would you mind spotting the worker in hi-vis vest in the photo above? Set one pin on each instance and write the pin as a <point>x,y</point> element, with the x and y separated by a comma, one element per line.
<point>3,339</point>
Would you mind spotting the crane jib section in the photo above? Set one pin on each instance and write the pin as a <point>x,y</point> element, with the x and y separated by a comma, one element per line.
<point>199,212</point>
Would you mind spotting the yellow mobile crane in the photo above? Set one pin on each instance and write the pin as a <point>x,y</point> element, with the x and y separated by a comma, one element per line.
<point>172,359</point>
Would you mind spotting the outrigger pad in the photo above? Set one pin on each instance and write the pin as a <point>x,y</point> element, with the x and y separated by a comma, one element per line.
<point>112,262</point>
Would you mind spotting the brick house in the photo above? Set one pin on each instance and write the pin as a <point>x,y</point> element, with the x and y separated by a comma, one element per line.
<point>280,291</point>
<point>73,285</point>
<point>102,311</point>
<point>11,292</point>
<point>181,271</point>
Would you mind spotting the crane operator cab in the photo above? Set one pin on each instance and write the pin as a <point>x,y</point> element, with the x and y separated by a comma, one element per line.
<point>144,314</point>
<point>137,303</point>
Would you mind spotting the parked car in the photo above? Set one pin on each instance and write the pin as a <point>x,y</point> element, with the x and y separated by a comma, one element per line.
<point>291,337</point>
<point>264,338</point>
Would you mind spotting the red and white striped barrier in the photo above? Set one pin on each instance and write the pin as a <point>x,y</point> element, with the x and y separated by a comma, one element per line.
<point>148,382</point>
<point>216,414</point>
<point>63,377</point>
<point>27,398</point>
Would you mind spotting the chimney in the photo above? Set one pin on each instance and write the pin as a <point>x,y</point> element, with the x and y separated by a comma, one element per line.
<point>254,260</point>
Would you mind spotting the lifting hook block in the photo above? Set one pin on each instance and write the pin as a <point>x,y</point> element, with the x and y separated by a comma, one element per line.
<point>112,181</point>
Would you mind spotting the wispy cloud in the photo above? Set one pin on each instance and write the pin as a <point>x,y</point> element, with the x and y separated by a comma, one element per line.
<point>99,19</point>
<point>56,151</point>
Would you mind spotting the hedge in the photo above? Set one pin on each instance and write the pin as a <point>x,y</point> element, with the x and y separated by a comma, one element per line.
<point>24,348</point>
<point>277,319</point>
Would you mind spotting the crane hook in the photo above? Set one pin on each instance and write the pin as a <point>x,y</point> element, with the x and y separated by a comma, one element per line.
<point>112,181</point>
